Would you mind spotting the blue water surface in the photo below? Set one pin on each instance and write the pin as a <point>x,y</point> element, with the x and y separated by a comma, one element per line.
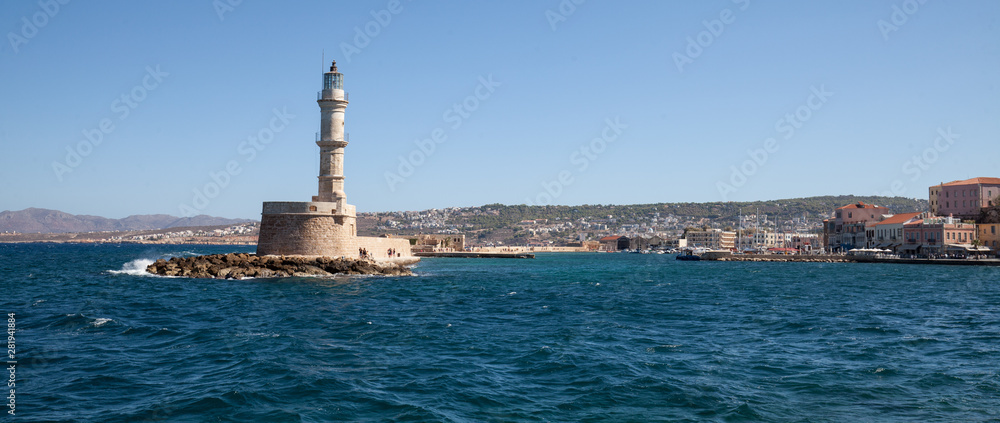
<point>571,337</point>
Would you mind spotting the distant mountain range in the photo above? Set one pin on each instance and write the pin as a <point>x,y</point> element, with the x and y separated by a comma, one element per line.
<point>53,221</point>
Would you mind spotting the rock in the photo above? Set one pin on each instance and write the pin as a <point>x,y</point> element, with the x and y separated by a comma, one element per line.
<point>242,265</point>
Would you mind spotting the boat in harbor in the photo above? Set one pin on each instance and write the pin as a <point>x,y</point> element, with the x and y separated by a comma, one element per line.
<point>688,257</point>
<point>691,254</point>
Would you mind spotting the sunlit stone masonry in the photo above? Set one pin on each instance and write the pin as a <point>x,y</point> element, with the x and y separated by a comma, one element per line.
<point>327,225</point>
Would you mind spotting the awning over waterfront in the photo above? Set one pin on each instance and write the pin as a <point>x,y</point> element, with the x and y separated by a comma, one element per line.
<point>969,248</point>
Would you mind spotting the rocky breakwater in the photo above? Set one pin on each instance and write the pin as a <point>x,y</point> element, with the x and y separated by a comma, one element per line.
<point>241,265</point>
<point>778,258</point>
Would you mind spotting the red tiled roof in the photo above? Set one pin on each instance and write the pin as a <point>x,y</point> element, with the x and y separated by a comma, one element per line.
<point>858,205</point>
<point>899,218</point>
<point>973,181</point>
<point>610,238</point>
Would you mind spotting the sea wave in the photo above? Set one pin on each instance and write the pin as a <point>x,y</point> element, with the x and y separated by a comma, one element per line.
<point>135,267</point>
<point>705,343</point>
<point>100,321</point>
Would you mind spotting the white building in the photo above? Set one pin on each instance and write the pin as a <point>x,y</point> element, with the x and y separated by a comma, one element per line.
<point>715,239</point>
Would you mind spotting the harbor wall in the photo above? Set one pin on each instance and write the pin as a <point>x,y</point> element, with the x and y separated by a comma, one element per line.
<point>314,234</point>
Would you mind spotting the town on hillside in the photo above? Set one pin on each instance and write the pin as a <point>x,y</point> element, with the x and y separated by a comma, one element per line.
<point>961,219</point>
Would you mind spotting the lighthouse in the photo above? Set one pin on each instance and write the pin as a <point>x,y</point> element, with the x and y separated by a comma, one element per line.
<point>332,140</point>
<point>327,225</point>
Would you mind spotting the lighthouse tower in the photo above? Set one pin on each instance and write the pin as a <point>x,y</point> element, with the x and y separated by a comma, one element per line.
<point>325,226</point>
<point>332,140</point>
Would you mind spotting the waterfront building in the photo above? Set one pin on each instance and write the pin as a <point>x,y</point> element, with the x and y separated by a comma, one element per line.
<point>989,235</point>
<point>932,198</point>
<point>438,243</point>
<point>715,239</point>
<point>804,242</point>
<point>614,243</point>
<point>964,199</point>
<point>847,229</point>
<point>888,233</point>
<point>938,235</point>
<point>645,243</point>
<point>770,240</point>
<point>675,243</point>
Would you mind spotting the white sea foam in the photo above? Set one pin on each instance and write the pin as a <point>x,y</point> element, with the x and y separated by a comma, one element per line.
<point>135,268</point>
<point>100,321</point>
<point>259,335</point>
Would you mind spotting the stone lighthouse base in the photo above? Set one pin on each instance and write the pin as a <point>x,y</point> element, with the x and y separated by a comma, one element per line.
<point>320,229</point>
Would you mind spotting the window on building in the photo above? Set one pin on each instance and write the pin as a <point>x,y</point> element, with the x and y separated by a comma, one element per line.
<point>993,229</point>
<point>850,215</point>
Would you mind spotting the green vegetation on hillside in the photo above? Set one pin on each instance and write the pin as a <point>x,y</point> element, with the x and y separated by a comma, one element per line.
<point>813,208</point>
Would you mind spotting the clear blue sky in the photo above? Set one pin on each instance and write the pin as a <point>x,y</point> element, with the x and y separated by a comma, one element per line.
<point>562,75</point>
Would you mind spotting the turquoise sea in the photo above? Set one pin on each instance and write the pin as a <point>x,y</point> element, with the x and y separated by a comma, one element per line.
<point>562,338</point>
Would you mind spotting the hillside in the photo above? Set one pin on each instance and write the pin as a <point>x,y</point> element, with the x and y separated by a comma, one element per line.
<point>812,208</point>
<point>490,217</point>
<point>34,220</point>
